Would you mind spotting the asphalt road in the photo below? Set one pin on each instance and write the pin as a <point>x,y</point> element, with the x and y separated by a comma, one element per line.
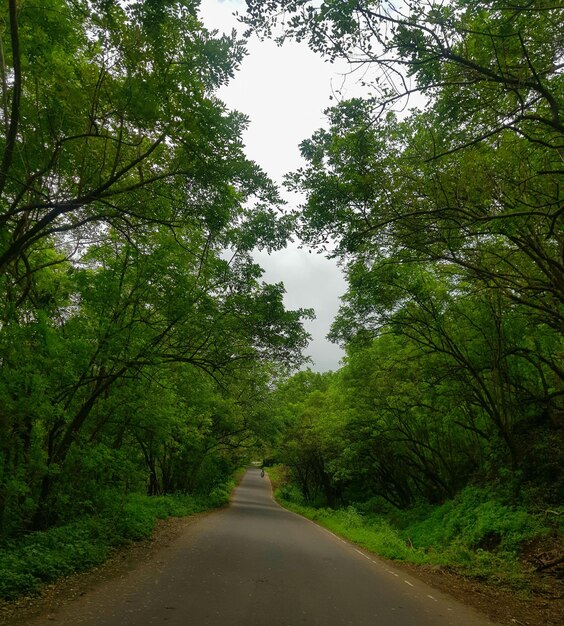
<point>256,564</point>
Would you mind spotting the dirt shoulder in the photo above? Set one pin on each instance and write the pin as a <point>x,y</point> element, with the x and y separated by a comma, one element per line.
<point>545,606</point>
<point>504,606</point>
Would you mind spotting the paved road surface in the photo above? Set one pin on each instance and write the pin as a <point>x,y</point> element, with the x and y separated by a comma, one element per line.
<point>256,564</point>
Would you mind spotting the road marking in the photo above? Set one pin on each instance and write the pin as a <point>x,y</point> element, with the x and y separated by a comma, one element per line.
<point>362,553</point>
<point>355,549</point>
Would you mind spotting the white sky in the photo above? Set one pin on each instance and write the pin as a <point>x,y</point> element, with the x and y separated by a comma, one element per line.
<point>284,91</point>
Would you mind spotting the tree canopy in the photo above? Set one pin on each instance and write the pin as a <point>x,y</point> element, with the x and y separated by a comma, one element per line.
<point>137,339</point>
<point>447,219</point>
<point>140,348</point>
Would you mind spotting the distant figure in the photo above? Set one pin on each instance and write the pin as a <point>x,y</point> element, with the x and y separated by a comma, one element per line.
<point>262,472</point>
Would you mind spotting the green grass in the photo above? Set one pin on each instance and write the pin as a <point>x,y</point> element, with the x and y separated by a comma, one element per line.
<point>41,557</point>
<point>473,534</point>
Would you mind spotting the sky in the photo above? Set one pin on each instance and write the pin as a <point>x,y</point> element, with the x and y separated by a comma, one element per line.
<point>284,91</point>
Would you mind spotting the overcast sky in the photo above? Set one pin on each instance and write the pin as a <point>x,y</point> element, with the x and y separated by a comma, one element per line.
<point>284,91</point>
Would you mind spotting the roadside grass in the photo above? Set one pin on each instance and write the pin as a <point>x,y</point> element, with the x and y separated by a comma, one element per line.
<point>41,557</point>
<point>474,534</point>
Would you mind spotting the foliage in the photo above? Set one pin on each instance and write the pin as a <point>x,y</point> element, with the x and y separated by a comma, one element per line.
<point>447,222</point>
<point>137,339</point>
<point>44,556</point>
<point>474,534</point>
<point>140,351</point>
<point>499,61</point>
<point>477,520</point>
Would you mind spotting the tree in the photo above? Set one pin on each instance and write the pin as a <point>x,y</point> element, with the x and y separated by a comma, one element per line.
<point>475,179</point>
<point>499,63</point>
<point>302,406</point>
<point>447,221</point>
<point>112,124</point>
<point>137,336</point>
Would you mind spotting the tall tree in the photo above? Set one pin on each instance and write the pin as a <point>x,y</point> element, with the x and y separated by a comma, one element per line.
<point>447,219</point>
<point>500,61</point>
<point>128,212</point>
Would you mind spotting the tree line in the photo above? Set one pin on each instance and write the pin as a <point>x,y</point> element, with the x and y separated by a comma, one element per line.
<point>440,194</point>
<point>137,339</point>
<point>139,347</point>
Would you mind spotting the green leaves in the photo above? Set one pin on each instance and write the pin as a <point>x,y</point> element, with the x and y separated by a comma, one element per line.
<point>446,222</point>
<point>501,55</point>
<point>137,340</point>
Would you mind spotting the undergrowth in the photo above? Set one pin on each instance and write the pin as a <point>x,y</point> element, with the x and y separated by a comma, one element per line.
<point>41,557</point>
<point>474,534</point>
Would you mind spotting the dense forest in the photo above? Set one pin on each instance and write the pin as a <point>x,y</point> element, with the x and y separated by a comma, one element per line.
<point>137,340</point>
<point>440,194</point>
<point>140,350</point>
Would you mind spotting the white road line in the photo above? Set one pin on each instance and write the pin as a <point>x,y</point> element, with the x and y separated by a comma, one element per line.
<point>356,550</point>
<point>362,553</point>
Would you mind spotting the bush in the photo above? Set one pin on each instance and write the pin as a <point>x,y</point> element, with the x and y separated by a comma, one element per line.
<point>42,557</point>
<point>474,533</point>
<point>476,520</point>
<point>45,556</point>
<point>289,493</point>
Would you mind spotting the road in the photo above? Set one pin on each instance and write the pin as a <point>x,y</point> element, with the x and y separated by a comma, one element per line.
<point>256,564</point>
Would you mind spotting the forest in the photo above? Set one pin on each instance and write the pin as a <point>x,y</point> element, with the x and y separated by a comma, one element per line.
<point>143,359</point>
<point>137,340</point>
<point>440,194</point>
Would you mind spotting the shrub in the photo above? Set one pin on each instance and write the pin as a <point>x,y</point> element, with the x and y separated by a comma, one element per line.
<point>476,520</point>
<point>42,557</point>
<point>474,533</point>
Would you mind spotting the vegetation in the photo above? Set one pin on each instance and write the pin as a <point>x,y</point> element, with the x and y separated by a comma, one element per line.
<point>141,354</point>
<point>447,219</point>
<point>137,339</point>
<point>358,459</point>
<point>473,534</point>
<point>44,556</point>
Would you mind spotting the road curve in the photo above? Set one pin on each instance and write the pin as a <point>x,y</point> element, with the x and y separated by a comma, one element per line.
<point>256,564</point>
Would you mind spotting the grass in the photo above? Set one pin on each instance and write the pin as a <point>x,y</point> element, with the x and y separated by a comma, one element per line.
<point>42,557</point>
<point>474,534</point>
